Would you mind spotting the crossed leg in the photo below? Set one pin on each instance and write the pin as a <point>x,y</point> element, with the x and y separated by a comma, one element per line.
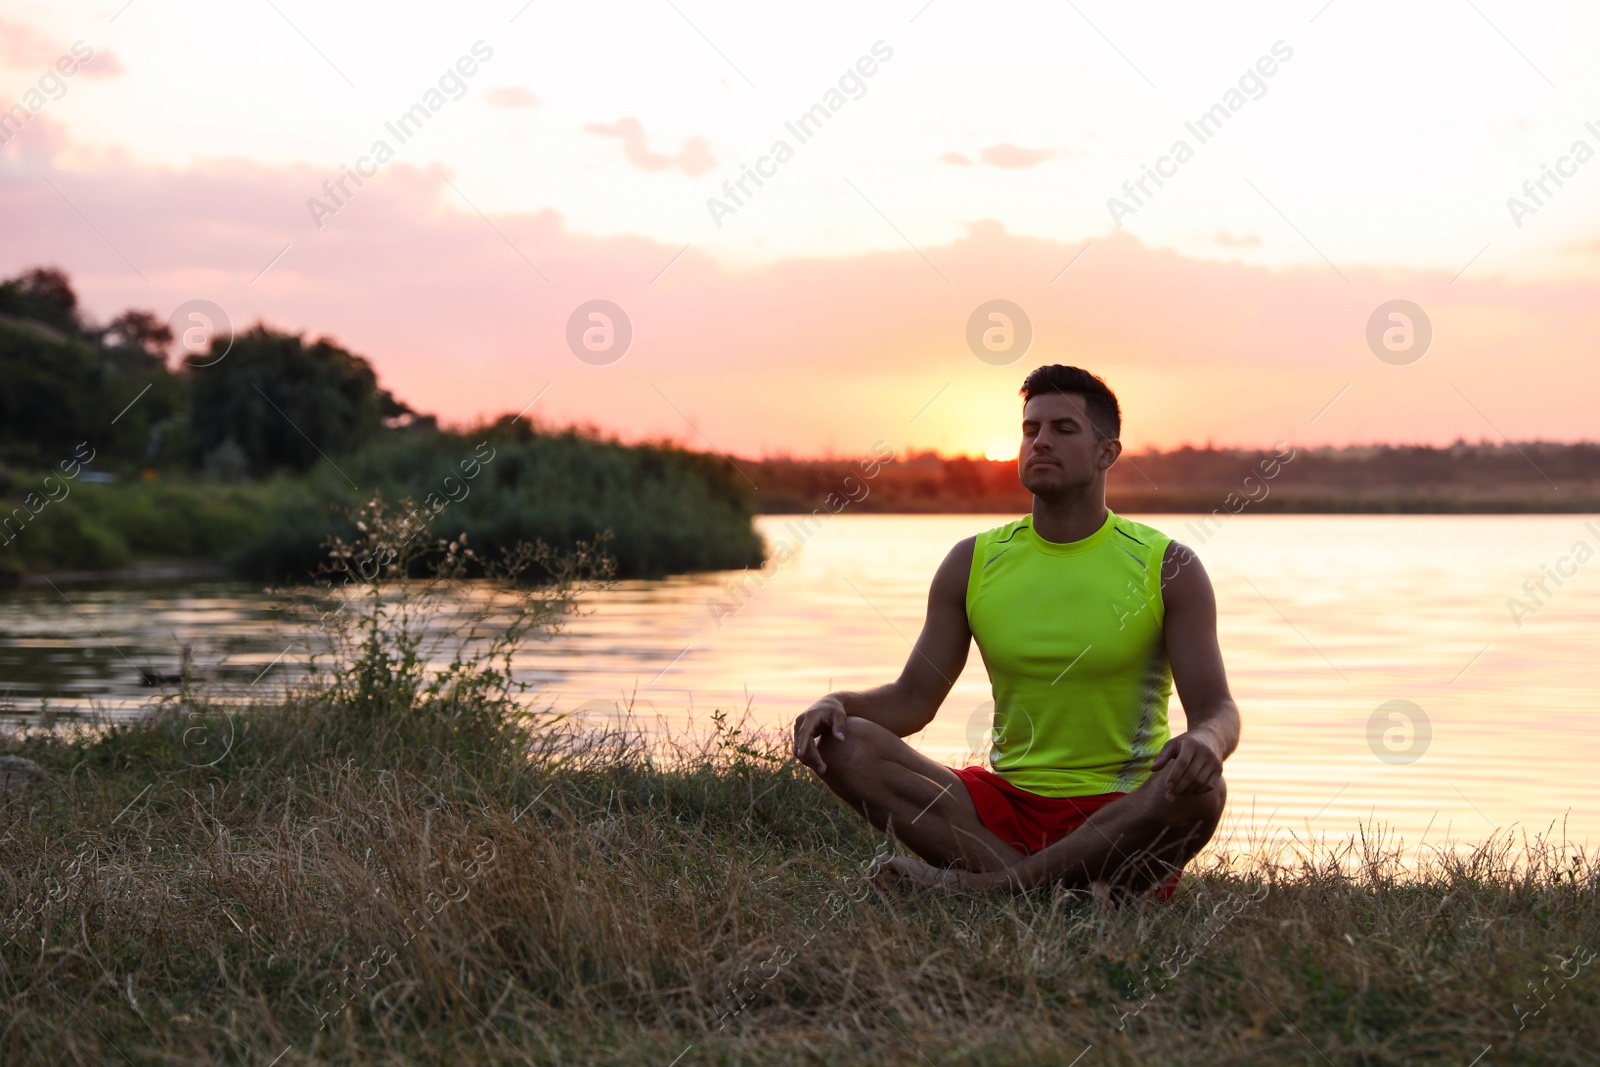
<point>1130,845</point>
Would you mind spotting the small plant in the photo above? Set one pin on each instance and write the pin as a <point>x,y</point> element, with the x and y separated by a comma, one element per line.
<point>412,627</point>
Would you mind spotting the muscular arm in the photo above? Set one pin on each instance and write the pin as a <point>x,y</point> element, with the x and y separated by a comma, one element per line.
<point>908,703</point>
<point>1198,674</point>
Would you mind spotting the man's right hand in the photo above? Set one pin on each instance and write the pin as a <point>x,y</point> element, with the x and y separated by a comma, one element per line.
<point>826,715</point>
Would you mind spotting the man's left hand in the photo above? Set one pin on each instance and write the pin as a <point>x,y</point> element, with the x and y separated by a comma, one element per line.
<point>1196,766</point>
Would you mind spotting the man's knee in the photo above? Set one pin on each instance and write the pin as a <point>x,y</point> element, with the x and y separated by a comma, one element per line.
<point>855,761</point>
<point>1199,813</point>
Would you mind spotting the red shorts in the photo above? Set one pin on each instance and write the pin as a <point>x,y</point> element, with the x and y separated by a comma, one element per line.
<point>1030,822</point>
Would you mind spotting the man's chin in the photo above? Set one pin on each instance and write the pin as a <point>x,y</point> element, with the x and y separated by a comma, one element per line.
<point>1047,482</point>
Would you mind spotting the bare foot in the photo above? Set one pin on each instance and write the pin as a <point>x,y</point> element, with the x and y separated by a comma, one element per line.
<point>887,872</point>
<point>891,871</point>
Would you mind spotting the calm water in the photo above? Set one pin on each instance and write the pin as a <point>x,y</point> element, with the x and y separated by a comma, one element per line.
<point>1324,621</point>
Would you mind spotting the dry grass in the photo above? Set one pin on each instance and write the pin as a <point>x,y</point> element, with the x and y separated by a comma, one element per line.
<point>441,902</point>
<point>393,868</point>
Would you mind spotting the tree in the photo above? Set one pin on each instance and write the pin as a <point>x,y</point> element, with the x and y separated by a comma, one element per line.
<point>63,384</point>
<point>43,294</point>
<point>140,338</point>
<point>286,404</point>
<point>50,396</point>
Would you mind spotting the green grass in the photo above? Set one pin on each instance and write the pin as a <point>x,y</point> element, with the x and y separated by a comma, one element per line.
<point>390,865</point>
<point>104,527</point>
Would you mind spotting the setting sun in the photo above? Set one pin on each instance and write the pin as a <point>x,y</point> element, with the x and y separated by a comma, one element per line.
<point>1001,450</point>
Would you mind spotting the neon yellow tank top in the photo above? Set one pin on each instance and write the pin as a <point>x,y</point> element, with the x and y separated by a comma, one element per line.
<point>1072,637</point>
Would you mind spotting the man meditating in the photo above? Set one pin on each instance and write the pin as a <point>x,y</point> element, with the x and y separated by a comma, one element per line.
<point>1085,620</point>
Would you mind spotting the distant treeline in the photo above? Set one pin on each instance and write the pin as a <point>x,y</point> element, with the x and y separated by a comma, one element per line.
<point>1531,477</point>
<point>250,406</point>
<point>248,454</point>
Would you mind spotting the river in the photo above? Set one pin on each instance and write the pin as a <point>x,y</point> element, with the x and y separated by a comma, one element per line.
<point>1381,672</point>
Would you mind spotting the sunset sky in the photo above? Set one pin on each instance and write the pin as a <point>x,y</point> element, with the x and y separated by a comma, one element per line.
<point>967,154</point>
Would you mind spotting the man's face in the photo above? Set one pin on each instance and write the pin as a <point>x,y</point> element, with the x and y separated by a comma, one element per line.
<point>1060,451</point>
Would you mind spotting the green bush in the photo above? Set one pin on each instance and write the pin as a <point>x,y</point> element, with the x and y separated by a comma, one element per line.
<point>668,511</point>
<point>63,536</point>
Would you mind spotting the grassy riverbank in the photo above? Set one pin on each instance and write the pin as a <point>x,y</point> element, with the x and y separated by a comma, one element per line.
<point>392,864</point>
<point>389,865</point>
<point>349,888</point>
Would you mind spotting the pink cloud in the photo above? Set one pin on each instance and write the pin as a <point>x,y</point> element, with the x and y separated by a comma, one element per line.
<point>1010,157</point>
<point>1005,156</point>
<point>102,66</point>
<point>694,156</point>
<point>23,47</point>
<point>511,96</point>
<point>1227,240</point>
<point>466,317</point>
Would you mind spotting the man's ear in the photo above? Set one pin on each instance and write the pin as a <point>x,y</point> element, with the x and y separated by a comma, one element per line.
<point>1110,449</point>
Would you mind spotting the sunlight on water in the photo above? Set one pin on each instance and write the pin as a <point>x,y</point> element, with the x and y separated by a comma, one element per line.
<point>1324,621</point>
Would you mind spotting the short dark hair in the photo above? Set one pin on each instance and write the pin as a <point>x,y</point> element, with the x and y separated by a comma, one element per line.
<point>1105,414</point>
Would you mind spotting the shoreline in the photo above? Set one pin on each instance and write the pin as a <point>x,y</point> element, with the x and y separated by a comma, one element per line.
<point>213,570</point>
<point>137,572</point>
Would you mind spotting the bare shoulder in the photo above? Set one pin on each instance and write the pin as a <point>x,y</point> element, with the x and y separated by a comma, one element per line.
<point>1178,555</point>
<point>1183,576</point>
<point>950,580</point>
<point>959,559</point>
